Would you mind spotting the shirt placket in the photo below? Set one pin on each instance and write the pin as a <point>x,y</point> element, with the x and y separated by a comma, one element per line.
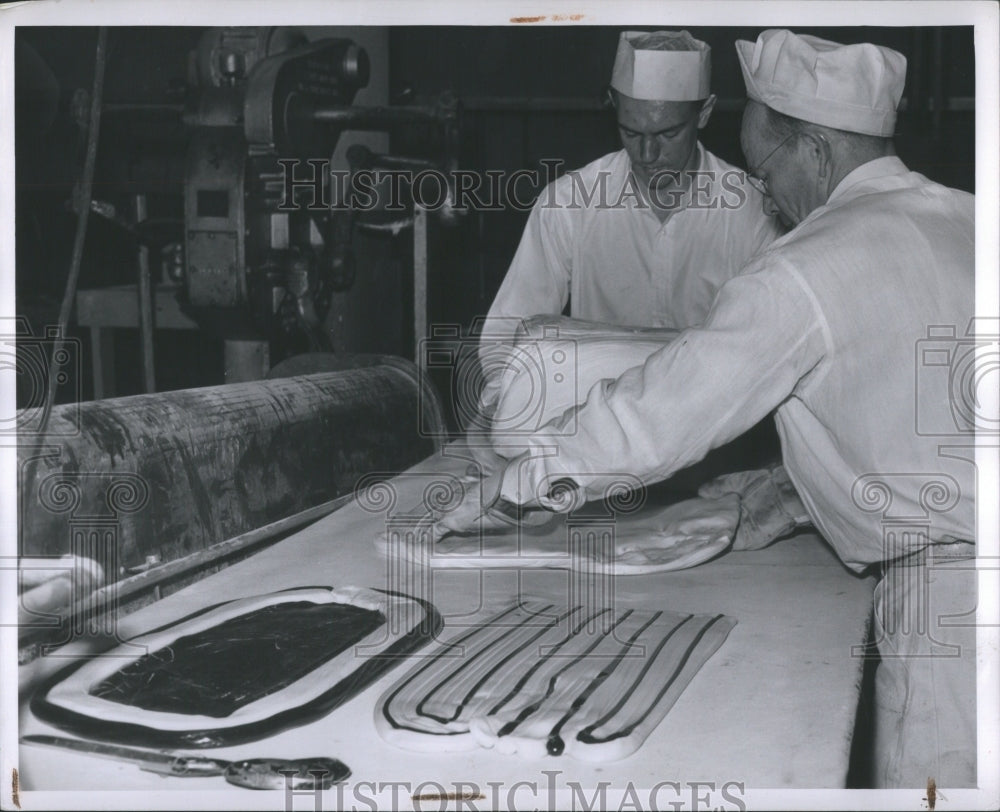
<point>664,266</point>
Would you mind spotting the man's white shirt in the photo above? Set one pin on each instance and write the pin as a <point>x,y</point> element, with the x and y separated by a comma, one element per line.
<point>592,240</point>
<point>825,326</point>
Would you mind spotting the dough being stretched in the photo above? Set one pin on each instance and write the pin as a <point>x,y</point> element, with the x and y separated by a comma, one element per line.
<point>654,539</point>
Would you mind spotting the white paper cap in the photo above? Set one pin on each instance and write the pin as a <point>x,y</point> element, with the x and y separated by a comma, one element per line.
<point>849,87</point>
<point>662,66</point>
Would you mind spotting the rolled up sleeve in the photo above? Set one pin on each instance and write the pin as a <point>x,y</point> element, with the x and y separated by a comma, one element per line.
<point>762,337</point>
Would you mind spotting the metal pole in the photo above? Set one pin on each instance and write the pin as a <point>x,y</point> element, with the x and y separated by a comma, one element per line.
<point>419,278</point>
<point>361,118</point>
<point>145,304</point>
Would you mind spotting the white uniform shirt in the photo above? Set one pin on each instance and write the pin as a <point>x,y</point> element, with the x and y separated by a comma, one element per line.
<point>830,325</point>
<point>614,261</point>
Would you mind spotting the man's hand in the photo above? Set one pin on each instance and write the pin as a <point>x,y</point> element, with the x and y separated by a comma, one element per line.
<point>483,508</point>
<point>770,507</point>
<point>474,510</point>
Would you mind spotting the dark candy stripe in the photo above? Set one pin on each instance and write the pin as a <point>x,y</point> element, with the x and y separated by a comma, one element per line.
<point>495,657</point>
<point>431,662</point>
<point>507,658</point>
<point>607,671</point>
<point>552,651</point>
<point>512,725</point>
<point>586,735</point>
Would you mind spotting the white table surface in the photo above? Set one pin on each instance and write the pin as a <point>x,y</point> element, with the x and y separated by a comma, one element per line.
<point>773,708</point>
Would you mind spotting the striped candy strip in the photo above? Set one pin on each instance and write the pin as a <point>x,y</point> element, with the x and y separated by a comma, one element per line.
<point>537,679</point>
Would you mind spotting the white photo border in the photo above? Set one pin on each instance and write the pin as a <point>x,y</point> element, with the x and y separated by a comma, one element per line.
<point>982,14</point>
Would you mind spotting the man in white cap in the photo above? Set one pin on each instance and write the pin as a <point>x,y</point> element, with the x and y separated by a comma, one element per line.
<point>825,326</point>
<point>643,237</point>
<point>646,236</point>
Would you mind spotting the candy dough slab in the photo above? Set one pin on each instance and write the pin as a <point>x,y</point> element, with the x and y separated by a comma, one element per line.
<point>590,683</point>
<point>654,539</point>
<point>238,671</point>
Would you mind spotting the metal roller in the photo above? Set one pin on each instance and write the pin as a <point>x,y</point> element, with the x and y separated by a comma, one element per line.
<point>169,474</point>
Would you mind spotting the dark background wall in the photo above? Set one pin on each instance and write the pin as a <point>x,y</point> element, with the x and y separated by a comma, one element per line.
<point>533,94</point>
<point>529,95</point>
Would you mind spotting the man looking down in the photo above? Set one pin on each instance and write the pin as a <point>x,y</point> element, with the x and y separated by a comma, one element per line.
<point>822,327</point>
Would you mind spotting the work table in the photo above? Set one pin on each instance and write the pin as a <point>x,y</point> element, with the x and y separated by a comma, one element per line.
<point>775,707</point>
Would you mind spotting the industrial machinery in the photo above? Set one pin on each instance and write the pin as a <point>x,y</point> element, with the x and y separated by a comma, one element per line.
<point>265,234</point>
<point>236,179</point>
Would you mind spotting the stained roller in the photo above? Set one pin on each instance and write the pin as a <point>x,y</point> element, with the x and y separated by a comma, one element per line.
<point>172,473</point>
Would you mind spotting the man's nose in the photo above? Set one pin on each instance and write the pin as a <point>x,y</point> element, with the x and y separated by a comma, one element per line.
<point>770,208</point>
<point>649,150</point>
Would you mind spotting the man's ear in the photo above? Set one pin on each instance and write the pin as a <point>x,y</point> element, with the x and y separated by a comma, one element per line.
<point>609,101</point>
<point>821,150</point>
<point>706,111</point>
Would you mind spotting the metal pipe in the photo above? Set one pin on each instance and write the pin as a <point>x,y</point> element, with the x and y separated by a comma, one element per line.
<point>85,196</point>
<point>374,118</point>
<point>419,279</point>
<point>145,303</point>
<point>524,104</point>
<point>393,227</point>
<point>143,107</point>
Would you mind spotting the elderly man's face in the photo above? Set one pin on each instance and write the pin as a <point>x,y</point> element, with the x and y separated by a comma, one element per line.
<point>660,136</point>
<point>784,165</point>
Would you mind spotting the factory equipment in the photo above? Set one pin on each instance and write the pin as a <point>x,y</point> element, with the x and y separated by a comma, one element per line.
<point>262,229</point>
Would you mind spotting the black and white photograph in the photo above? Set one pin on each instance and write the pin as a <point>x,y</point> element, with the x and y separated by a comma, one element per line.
<point>499,405</point>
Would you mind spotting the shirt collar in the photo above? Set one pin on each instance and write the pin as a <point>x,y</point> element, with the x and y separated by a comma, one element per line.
<point>685,199</point>
<point>885,167</point>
